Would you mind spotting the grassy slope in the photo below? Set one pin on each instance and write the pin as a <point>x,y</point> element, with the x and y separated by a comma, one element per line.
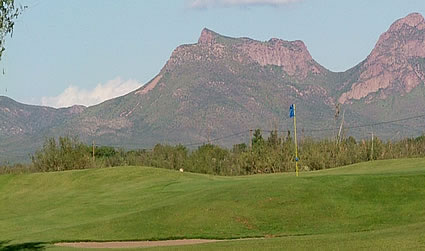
<point>129,203</point>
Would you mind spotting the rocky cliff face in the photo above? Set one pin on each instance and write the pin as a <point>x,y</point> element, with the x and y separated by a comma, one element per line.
<point>292,56</point>
<point>207,49</point>
<point>396,63</point>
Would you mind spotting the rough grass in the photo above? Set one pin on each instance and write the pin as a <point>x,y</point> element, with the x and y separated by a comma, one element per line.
<point>377,204</point>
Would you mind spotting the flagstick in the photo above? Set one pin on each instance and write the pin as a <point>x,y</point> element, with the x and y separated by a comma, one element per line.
<point>296,145</point>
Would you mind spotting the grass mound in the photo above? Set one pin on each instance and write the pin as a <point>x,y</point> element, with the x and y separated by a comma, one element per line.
<point>141,203</point>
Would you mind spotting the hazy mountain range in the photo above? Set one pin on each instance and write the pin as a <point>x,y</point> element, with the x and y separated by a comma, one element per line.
<point>222,85</point>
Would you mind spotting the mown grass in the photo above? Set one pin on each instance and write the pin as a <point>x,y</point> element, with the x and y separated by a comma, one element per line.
<point>407,237</point>
<point>369,205</point>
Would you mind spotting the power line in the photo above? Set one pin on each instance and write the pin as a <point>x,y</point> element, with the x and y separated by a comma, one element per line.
<point>387,122</point>
<point>358,126</point>
<point>305,130</point>
<point>197,143</point>
<point>216,139</point>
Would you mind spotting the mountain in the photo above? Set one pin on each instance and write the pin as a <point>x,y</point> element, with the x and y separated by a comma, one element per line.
<point>24,127</point>
<point>217,86</point>
<point>389,83</point>
<point>395,65</point>
<point>223,85</point>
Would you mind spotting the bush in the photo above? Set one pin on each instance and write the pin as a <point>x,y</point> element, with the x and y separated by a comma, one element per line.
<point>65,154</point>
<point>274,154</point>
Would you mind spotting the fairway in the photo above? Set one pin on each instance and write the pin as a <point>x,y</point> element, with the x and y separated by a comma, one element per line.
<point>377,204</point>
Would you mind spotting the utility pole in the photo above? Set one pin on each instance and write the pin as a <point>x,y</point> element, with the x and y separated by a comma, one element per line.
<point>93,145</point>
<point>336,116</point>
<point>250,139</point>
<point>282,137</point>
<point>372,148</point>
<point>340,128</point>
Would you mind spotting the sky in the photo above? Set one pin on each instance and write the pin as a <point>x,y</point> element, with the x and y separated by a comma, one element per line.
<point>83,52</point>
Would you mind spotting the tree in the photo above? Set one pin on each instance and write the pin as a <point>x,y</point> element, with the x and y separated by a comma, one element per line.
<point>8,13</point>
<point>63,154</point>
<point>257,140</point>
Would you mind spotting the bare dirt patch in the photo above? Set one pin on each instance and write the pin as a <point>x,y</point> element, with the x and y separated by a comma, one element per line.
<point>133,244</point>
<point>149,86</point>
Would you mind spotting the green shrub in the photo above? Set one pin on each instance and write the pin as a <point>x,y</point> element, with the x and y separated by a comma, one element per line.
<point>65,154</point>
<point>271,155</point>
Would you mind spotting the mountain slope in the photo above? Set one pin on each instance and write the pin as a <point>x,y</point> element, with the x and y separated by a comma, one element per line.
<point>215,87</point>
<point>221,86</point>
<point>24,127</point>
<point>389,83</point>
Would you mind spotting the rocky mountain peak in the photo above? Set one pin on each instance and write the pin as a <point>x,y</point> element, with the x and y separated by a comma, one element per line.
<point>207,36</point>
<point>292,56</point>
<point>280,42</point>
<point>404,36</point>
<point>412,20</point>
<point>392,65</point>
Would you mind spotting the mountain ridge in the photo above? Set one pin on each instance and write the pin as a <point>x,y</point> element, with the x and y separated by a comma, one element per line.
<point>221,85</point>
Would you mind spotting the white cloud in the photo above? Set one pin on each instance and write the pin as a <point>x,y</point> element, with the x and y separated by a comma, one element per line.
<point>74,95</point>
<point>202,4</point>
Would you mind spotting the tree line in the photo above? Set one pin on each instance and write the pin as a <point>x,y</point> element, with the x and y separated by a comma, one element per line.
<point>263,155</point>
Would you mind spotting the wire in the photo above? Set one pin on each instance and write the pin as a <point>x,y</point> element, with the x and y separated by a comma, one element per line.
<point>305,130</point>
<point>358,126</point>
<point>216,139</point>
<point>386,122</point>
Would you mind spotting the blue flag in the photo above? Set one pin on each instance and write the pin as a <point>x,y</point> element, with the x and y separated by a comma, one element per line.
<point>291,111</point>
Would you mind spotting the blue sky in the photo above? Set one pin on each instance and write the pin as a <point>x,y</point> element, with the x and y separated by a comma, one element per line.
<point>82,52</point>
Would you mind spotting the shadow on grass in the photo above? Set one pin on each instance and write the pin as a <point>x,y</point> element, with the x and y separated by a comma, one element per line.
<point>5,246</point>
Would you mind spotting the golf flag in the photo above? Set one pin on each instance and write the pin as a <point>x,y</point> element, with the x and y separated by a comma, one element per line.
<point>291,111</point>
<point>292,115</point>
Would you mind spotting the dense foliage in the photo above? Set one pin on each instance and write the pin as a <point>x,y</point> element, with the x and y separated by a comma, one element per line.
<point>8,13</point>
<point>271,155</point>
<point>65,154</point>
